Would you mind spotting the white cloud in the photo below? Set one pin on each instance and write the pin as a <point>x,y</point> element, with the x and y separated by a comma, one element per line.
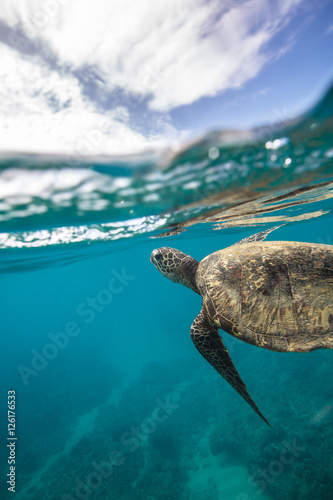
<point>262,92</point>
<point>329,29</point>
<point>171,53</point>
<point>42,110</point>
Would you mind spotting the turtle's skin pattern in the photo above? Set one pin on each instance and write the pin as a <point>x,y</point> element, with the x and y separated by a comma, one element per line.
<point>275,295</point>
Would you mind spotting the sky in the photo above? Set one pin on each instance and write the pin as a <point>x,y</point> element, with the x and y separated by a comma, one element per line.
<point>125,76</point>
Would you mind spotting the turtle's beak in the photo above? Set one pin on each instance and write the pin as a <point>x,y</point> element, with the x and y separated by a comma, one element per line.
<point>156,258</point>
<point>152,257</point>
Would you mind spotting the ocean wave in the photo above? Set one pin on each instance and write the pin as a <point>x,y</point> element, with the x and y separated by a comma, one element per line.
<point>226,178</point>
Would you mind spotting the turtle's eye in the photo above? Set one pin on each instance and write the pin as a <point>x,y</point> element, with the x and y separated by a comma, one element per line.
<point>158,256</point>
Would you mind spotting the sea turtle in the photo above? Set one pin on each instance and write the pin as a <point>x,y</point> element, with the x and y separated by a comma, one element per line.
<point>277,295</point>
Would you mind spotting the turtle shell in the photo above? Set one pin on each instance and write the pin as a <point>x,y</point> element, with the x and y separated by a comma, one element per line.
<point>275,295</point>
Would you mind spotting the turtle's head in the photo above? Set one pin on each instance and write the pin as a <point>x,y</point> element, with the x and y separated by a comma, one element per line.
<point>176,266</point>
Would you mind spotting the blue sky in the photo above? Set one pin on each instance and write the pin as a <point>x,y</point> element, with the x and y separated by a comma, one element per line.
<point>284,88</point>
<point>122,76</point>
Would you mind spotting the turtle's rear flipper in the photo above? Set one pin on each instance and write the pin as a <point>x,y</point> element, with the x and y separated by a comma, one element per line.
<point>208,342</point>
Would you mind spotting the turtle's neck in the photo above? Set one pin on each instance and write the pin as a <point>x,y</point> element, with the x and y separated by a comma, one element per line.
<point>190,268</point>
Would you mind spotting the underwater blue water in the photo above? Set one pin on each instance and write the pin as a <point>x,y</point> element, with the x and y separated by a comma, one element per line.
<point>112,399</point>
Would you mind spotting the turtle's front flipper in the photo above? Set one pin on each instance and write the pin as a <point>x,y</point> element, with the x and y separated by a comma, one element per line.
<point>207,340</point>
<point>258,236</point>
